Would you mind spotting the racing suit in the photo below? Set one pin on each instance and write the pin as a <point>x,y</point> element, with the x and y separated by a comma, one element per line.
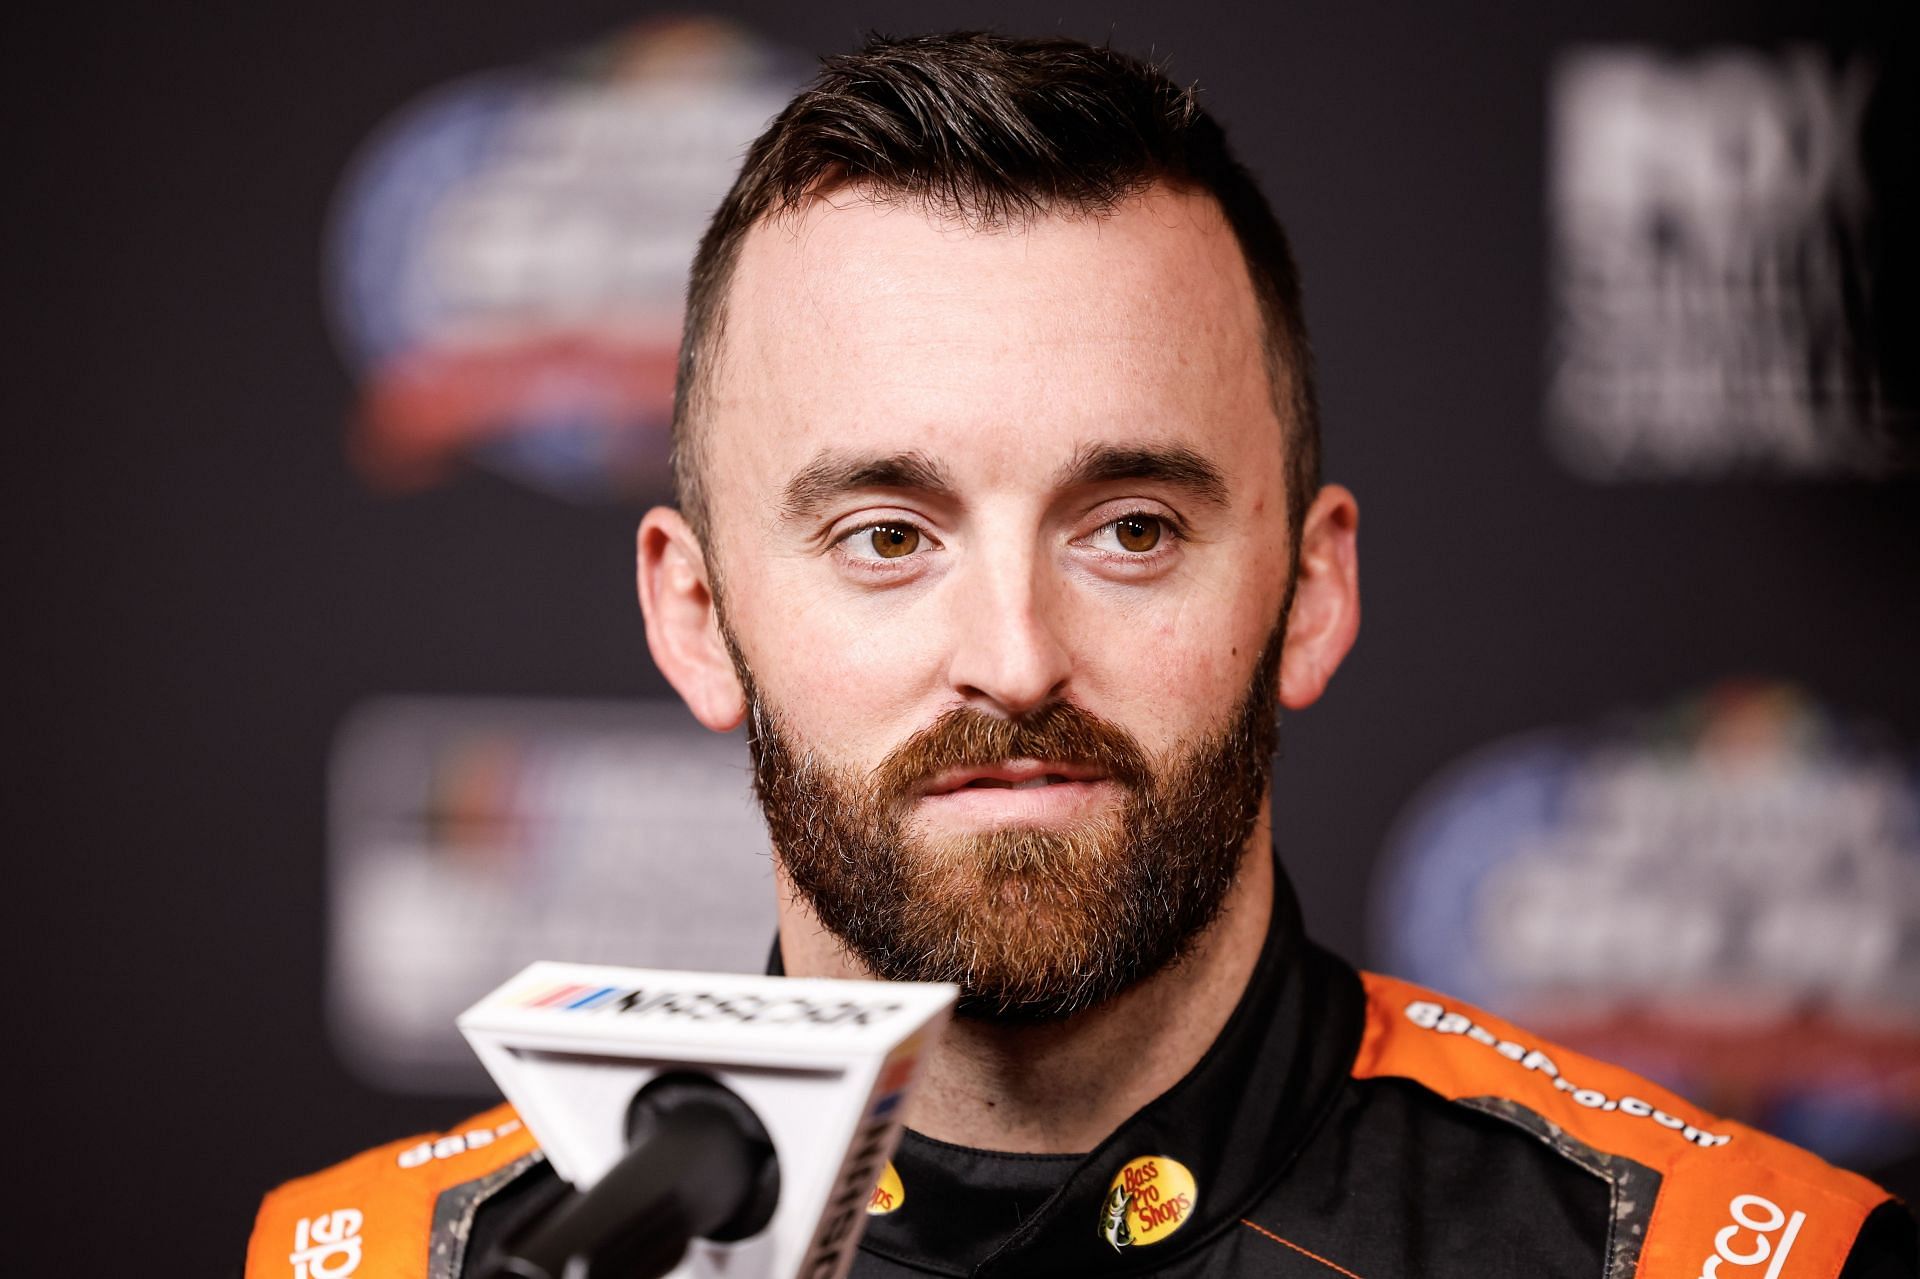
<point>1342,1124</point>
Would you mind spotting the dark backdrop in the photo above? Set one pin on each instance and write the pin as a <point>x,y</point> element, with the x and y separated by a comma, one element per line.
<point>201,586</point>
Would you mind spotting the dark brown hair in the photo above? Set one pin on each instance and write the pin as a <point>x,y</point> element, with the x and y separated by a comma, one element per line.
<point>996,131</point>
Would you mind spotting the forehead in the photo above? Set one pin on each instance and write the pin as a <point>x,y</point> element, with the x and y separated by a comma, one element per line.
<point>858,323</point>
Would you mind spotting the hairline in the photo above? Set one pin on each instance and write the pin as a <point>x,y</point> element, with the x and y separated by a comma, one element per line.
<point>1285,392</point>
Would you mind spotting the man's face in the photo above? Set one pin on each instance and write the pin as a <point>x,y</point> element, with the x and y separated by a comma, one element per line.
<point>1000,522</point>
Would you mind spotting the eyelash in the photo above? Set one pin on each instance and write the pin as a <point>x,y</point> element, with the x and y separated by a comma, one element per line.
<point>839,543</point>
<point>1170,534</point>
<point>1170,530</point>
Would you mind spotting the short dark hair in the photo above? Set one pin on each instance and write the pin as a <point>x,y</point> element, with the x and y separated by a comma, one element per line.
<point>996,131</point>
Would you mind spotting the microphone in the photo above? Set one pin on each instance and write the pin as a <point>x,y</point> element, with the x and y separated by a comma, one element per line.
<point>705,1124</point>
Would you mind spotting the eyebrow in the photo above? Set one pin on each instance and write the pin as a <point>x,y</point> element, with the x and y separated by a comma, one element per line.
<point>833,473</point>
<point>1174,465</point>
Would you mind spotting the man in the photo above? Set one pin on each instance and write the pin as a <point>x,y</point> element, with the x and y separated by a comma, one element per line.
<point>1001,527</point>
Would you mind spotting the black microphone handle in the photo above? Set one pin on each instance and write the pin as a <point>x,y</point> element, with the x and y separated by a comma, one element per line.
<point>686,1176</point>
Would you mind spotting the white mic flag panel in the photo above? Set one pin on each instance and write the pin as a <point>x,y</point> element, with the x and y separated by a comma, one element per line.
<point>825,1065</point>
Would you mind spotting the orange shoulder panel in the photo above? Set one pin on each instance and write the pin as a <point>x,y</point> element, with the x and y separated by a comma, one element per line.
<point>1733,1203</point>
<point>380,1214</point>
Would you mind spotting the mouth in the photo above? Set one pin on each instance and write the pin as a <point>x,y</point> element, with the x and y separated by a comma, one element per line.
<point>1013,774</point>
<point>1020,792</point>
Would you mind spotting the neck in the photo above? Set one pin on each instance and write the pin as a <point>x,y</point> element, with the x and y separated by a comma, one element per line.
<point>1052,1088</point>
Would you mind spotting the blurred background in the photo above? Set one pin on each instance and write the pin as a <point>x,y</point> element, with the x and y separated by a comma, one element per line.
<point>342,362</point>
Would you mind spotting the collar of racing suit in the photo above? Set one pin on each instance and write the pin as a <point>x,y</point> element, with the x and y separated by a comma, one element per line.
<point>1234,1122</point>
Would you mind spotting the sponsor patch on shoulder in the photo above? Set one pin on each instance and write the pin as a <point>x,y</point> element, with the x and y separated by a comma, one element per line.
<point>1428,1015</point>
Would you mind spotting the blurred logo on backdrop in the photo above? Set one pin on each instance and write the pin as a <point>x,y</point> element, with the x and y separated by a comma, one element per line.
<point>1723,894</point>
<point>507,257</point>
<point>469,837</point>
<point>1730,290</point>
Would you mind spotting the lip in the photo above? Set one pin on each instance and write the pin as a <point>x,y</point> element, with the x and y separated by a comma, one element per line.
<point>1007,774</point>
<point>952,801</point>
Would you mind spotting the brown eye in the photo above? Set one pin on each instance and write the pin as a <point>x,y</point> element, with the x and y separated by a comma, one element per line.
<point>891,541</point>
<point>1137,533</point>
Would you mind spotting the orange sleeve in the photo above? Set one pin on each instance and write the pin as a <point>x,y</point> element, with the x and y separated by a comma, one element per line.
<point>383,1213</point>
<point>1733,1203</point>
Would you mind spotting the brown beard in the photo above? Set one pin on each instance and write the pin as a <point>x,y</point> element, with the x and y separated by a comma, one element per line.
<point>1031,923</point>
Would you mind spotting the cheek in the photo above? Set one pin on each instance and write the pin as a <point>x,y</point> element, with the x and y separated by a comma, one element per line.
<point>1174,673</point>
<point>849,680</point>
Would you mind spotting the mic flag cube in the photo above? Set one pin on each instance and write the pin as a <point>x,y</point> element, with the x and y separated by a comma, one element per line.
<point>825,1065</point>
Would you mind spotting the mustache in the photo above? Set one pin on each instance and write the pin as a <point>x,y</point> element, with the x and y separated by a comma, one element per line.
<point>963,737</point>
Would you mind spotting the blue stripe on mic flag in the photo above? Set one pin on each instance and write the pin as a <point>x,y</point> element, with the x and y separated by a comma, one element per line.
<point>593,998</point>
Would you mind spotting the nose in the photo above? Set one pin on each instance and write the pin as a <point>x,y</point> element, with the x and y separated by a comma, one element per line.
<point>1008,655</point>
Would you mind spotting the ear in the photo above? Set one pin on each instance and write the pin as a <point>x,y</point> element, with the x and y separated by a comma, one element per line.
<point>683,627</point>
<point>1326,598</point>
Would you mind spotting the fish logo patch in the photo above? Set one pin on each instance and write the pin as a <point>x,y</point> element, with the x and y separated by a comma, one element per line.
<point>1150,1198</point>
<point>888,1193</point>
